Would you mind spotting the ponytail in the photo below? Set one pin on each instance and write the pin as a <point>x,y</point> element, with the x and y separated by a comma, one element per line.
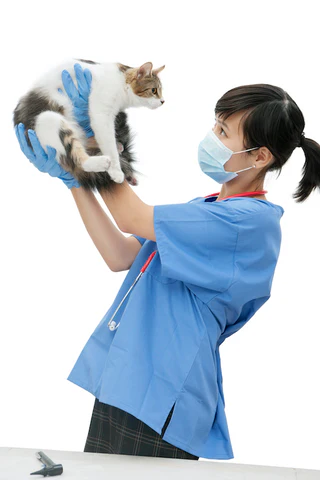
<point>311,169</point>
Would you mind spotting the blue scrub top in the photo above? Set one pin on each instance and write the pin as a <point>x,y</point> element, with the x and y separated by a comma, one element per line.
<point>213,270</point>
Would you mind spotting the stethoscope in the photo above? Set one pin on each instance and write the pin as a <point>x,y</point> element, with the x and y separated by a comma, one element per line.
<point>112,324</point>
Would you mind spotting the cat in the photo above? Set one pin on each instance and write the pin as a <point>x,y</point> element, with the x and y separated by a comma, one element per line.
<point>99,162</point>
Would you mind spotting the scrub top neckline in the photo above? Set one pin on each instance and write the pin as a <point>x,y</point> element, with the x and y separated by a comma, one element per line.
<point>243,194</point>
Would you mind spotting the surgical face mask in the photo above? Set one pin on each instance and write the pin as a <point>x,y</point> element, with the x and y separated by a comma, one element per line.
<point>213,154</point>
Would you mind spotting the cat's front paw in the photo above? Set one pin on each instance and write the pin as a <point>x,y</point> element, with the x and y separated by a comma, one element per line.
<point>100,163</point>
<point>116,174</point>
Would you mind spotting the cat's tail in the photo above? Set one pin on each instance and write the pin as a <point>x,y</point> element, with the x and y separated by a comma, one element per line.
<point>67,138</point>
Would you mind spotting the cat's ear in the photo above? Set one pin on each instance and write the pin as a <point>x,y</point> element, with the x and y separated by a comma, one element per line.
<point>144,70</point>
<point>158,70</point>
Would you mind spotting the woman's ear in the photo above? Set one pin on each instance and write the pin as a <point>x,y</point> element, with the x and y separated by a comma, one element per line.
<point>263,157</point>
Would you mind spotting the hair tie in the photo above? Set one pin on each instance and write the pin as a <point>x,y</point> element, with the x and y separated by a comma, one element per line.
<point>302,139</point>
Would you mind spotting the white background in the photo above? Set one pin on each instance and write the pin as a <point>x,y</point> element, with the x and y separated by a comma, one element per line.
<point>56,287</point>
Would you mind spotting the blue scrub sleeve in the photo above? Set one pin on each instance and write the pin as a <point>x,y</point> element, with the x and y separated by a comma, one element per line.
<point>197,243</point>
<point>141,239</point>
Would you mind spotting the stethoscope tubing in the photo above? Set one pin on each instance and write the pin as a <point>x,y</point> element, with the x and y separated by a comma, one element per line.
<point>112,324</point>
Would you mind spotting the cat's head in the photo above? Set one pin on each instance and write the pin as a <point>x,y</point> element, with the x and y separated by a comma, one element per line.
<point>145,84</point>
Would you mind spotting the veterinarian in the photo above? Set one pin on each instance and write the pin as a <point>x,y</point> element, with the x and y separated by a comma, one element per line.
<point>153,361</point>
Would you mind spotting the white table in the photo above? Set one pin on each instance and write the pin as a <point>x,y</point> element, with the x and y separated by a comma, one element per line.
<point>18,463</point>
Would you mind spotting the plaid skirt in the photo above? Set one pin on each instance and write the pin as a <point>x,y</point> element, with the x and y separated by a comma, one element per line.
<point>113,430</point>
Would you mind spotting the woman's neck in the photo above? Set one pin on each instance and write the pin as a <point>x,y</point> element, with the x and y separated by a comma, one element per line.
<point>228,190</point>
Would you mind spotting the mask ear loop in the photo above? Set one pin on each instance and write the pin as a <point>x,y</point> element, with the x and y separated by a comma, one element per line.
<point>253,166</point>
<point>247,150</point>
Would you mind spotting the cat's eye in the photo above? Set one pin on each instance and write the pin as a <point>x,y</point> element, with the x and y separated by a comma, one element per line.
<point>154,90</point>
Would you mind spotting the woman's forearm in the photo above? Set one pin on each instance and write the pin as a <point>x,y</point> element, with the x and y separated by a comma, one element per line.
<point>127,208</point>
<point>108,239</point>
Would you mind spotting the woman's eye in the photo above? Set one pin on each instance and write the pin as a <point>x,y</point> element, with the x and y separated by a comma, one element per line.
<point>154,90</point>
<point>220,128</point>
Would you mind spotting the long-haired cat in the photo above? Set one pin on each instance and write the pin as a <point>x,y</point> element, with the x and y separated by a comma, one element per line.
<point>96,163</point>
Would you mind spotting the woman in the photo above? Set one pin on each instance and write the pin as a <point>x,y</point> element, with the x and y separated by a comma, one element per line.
<point>157,377</point>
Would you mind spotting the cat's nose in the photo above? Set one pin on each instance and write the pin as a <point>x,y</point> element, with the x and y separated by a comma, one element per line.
<point>162,101</point>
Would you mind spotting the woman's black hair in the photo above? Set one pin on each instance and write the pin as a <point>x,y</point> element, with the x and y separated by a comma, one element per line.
<point>273,119</point>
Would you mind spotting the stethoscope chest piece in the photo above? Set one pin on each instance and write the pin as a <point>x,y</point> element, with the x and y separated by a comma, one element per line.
<point>113,325</point>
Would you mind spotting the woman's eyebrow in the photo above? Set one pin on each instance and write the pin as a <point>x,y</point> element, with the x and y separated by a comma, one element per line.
<point>223,123</point>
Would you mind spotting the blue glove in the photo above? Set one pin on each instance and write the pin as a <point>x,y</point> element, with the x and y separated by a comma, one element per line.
<point>79,98</point>
<point>42,161</point>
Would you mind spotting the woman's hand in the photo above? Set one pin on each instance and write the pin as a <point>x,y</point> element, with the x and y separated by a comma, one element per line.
<point>40,159</point>
<point>79,97</point>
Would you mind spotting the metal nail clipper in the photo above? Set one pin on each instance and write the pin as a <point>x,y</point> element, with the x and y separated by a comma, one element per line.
<point>50,468</point>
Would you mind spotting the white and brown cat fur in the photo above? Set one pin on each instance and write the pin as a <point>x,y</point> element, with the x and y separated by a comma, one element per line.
<point>96,163</point>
